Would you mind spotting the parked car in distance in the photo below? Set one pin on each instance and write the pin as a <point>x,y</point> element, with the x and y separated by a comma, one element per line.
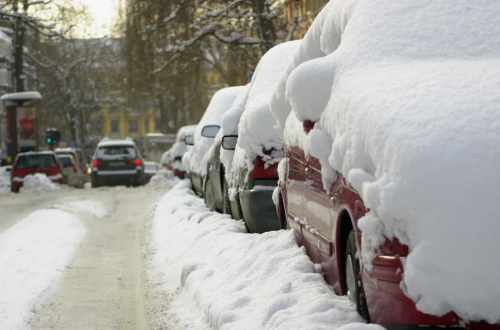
<point>73,172</point>
<point>205,133</point>
<point>172,159</point>
<point>252,175</point>
<point>117,162</point>
<point>27,163</point>
<point>150,169</point>
<point>84,165</point>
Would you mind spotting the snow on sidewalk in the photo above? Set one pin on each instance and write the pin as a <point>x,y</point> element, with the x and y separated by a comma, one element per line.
<point>236,280</point>
<point>33,254</point>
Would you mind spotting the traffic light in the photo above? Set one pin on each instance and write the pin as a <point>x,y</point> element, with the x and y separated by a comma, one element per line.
<point>52,136</point>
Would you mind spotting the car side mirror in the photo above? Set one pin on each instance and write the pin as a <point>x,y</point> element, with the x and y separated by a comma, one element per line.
<point>189,140</point>
<point>229,142</point>
<point>210,131</point>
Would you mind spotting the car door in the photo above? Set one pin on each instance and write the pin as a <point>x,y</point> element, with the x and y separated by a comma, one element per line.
<point>317,213</point>
<point>296,176</point>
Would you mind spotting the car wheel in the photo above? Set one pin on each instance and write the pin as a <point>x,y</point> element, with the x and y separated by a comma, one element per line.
<point>94,182</point>
<point>14,189</point>
<point>209,196</point>
<point>226,207</point>
<point>352,274</point>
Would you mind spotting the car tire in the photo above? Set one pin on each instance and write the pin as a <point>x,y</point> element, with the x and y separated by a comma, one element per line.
<point>226,207</point>
<point>94,182</point>
<point>352,275</point>
<point>208,196</point>
<point>14,189</point>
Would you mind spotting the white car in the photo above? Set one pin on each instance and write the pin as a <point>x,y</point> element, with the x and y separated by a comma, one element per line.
<point>73,172</point>
<point>206,131</point>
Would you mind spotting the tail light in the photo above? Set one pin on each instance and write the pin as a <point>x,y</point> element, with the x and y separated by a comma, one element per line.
<point>97,163</point>
<point>74,168</point>
<point>394,248</point>
<point>137,162</point>
<point>263,171</point>
<point>179,174</point>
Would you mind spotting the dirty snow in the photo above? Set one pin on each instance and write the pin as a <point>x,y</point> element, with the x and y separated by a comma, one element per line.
<point>229,279</point>
<point>33,254</point>
<point>406,98</point>
<point>92,207</point>
<point>38,182</point>
<point>4,180</point>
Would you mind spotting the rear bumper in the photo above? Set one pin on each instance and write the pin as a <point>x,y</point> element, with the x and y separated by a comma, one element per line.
<point>118,177</point>
<point>18,181</point>
<point>259,211</point>
<point>389,306</point>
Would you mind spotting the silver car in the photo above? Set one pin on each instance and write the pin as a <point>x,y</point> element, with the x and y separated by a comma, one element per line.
<point>75,175</point>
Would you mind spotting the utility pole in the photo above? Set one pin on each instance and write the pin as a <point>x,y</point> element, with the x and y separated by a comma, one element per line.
<point>18,47</point>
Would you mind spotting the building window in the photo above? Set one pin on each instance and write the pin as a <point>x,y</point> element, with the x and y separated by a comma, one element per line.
<point>133,126</point>
<point>97,128</point>
<point>115,126</point>
<point>146,125</point>
<point>158,125</point>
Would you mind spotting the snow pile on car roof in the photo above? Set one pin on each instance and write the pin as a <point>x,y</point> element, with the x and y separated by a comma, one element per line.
<point>38,182</point>
<point>229,126</point>
<point>406,98</point>
<point>256,127</point>
<point>239,281</point>
<point>220,103</point>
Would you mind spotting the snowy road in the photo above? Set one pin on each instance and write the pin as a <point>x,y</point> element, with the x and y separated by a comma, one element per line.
<point>153,258</point>
<point>101,287</point>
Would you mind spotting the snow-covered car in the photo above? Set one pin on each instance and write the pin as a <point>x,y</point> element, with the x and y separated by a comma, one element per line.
<point>150,169</point>
<point>117,161</point>
<point>73,172</point>
<point>27,163</point>
<point>251,171</point>
<point>389,113</point>
<point>172,159</point>
<point>204,135</point>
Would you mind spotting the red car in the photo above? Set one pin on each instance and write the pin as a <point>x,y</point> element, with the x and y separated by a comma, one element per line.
<point>27,163</point>
<point>326,225</point>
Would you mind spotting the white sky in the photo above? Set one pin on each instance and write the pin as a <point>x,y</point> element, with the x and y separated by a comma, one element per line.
<point>105,13</point>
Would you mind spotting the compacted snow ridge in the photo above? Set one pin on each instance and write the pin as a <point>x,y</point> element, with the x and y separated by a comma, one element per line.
<point>405,99</point>
<point>33,254</point>
<point>38,182</point>
<point>236,280</point>
<point>93,207</point>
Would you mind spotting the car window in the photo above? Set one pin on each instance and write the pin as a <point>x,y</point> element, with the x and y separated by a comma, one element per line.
<point>66,161</point>
<point>79,153</point>
<point>116,151</point>
<point>36,161</point>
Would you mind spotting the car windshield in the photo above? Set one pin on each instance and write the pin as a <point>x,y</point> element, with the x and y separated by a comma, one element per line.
<point>28,161</point>
<point>66,161</point>
<point>110,151</point>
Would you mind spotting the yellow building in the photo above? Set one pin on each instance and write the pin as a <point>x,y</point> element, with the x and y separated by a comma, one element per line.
<point>113,121</point>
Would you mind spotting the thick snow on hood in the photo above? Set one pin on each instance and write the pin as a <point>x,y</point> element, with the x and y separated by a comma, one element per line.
<point>406,98</point>
<point>229,126</point>
<point>179,148</point>
<point>220,103</point>
<point>256,128</point>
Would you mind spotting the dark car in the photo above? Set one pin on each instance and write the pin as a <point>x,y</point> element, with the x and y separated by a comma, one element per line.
<point>117,162</point>
<point>27,163</point>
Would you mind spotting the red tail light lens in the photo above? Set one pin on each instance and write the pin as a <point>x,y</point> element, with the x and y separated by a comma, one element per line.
<point>261,172</point>
<point>137,162</point>
<point>74,168</point>
<point>97,163</point>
